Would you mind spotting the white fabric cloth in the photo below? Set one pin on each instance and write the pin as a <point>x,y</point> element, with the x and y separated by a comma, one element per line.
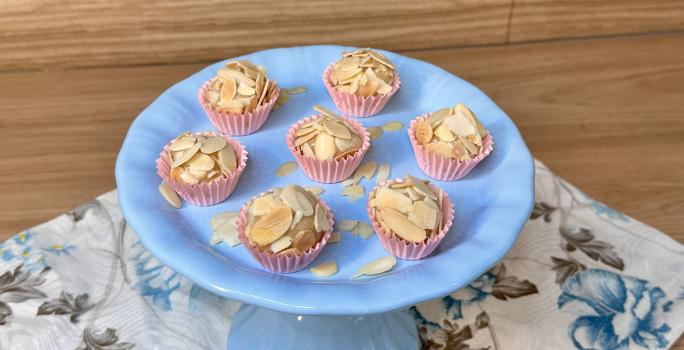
<point>581,276</point>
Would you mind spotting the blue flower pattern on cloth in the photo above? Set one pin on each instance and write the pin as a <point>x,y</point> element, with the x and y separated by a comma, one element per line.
<point>155,280</point>
<point>20,248</point>
<point>626,310</point>
<point>602,209</point>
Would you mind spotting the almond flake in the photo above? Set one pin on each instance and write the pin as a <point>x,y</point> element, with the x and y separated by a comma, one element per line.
<point>296,200</point>
<point>271,226</point>
<point>376,267</point>
<point>297,90</point>
<point>169,195</point>
<point>347,225</point>
<point>324,147</point>
<point>286,168</point>
<point>304,240</point>
<point>315,189</point>
<point>337,129</point>
<point>444,134</point>
<point>348,182</point>
<point>228,89</point>
<point>390,198</point>
<point>321,222</point>
<point>324,269</point>
<point>213,144</point>
<point>182,143</point>
<point>383,173</point>
<point>375,132</point>
<point>459,125</point>
<point>307,150</point>
<point>423,132</point>
<point>334,237</point>
<point>201,162</point>
<point>420,186</point>
<point>281,244</point>
<point>423,215</point>
<point>187,154</point>
<point>443,149</point>
<point>393,126</point>
<point>353,192</point>
<point>306,138</point>
<point>365,230</point>
<point>226,159</point>
<point>402,226</point>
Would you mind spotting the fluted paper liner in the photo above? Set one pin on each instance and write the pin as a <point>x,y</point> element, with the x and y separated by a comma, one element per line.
<point>410,250</point>
<point>282,263</point>
<point>204,193</point>
<point>355,105</point>
<point>237,124</point>
<point>442,168</point>
<point>329,171</point>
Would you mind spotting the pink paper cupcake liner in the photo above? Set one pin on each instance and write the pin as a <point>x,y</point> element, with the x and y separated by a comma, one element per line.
<point>442,168</point>
<point>329,171</point>
<point>411,250</point>
<point>282,263</point>
<point>204,193</point>
<point>237,124</point>
<point>355,105</point>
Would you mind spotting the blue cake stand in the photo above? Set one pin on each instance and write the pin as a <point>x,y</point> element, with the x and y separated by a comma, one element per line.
<point>300,310</point>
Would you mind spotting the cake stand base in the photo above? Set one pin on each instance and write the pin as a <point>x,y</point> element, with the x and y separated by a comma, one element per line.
<point>259,328</point>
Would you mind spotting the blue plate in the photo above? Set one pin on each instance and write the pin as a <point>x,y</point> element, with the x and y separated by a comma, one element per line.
<point>492,203</point>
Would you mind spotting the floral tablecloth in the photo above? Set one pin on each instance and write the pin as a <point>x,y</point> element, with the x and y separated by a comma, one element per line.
<point>581,276</point>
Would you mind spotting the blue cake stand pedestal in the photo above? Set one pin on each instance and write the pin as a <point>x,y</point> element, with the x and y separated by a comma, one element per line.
<point>255,327</point>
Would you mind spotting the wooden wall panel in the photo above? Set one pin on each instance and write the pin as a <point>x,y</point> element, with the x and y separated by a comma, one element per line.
<point>554,19</point>
<point>48,35</point>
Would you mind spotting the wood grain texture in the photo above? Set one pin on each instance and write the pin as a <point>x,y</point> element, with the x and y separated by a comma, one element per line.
<point>553,19</point>
<point>604,114</point>
<point>45,35</point>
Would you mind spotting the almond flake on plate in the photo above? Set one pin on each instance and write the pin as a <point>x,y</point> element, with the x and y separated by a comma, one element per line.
<point>324,269</point>
<point>286,168</point>
<point>377,267</point>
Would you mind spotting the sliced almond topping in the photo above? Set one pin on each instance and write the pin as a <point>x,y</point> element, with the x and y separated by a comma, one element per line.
<point>304,240</point>
<point>443,149</point>
<point>423,215</point>
<point>321,222</point>
<point>169,195</point>
<point>224,228</point>
<point>421,186</point>
<point>337,129</point>
<point>423,132</point>
<point>228,89</point>
<point>324,146</point>
<point>296,200</point>
<point>305,131</point>
<point>325,269</point>
<point>281,244</point>
<point>201,162</point>
<point>402,226</point>
<point>436,117</point>
<point>182,143</point>
<point>226,159</point>
<point>346,153</point>
<point>188,178</point>
<point>308,151</point>
<point>459,125</point>
<point>444,134</point>
<point>187,154</point>
<point>322,110</point>
<point>213,144</point>
<point>175,173</point>
<point>390,198</point>
<point>271,226</point>
<point>306,138</point>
